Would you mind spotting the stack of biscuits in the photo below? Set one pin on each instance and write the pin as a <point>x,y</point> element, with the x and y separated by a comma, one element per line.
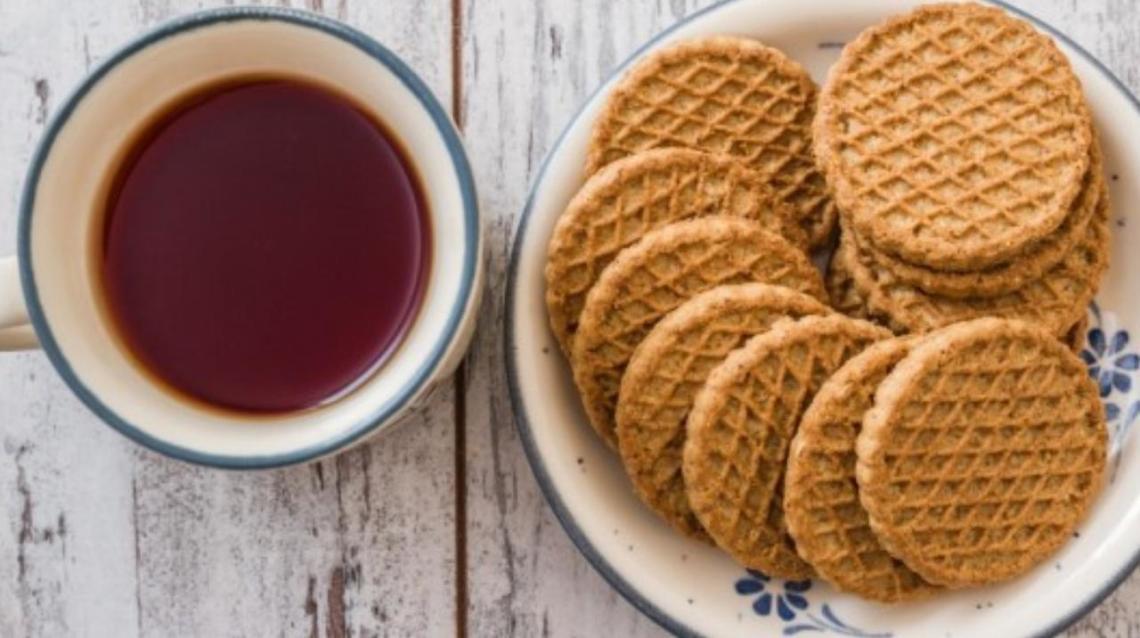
<point>960,151</point>
<point>909,422</point>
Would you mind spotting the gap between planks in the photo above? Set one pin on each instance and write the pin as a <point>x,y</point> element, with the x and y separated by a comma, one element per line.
<point>460,378</point>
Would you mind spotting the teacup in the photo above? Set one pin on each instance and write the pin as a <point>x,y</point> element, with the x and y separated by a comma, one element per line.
<point>60,215</point>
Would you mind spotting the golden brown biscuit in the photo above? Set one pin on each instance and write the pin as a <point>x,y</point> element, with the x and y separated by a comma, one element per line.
<point>841,290</point>
<point>668,369</point>
<point>742,422</point>
<point>1055,302</point>
<point>953,136</point>
<point>727,96</point>
<point>636,195</point>
<point>1032,264</point>
<point>821,498</point>
<point>984,448</point>
<point>663,270</point>
<point>1076,336</point>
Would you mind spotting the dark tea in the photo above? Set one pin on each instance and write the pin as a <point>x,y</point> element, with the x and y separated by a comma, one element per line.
<point>266,245</point>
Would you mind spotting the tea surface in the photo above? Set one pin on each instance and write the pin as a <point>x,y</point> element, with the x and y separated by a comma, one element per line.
<point>266,244</point>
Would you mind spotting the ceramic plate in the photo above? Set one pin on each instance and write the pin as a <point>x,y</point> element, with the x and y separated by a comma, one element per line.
<point>693,589</point>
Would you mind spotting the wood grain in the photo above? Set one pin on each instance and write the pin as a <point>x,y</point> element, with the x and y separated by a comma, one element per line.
<point>528,66</point>
<point>101,538</point>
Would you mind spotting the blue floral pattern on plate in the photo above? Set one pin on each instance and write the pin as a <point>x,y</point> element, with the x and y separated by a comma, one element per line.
<point>1110,364</point>
<point>1112,360</point>
<point>791,605</point>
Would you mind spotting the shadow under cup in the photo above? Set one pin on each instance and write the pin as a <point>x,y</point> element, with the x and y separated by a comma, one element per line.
<point>62,225</point>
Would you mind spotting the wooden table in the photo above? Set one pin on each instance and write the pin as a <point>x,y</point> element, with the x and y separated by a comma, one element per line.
<point>435,529</point>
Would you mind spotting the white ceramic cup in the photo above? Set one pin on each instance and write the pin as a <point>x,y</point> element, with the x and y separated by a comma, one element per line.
<point>50,290</point>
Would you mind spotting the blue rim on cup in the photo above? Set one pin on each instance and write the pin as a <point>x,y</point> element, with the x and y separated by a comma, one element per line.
<point>526,429</point>
<point>456,325</point>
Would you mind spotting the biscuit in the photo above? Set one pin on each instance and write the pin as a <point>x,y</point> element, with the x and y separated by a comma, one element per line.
<point>1004,278</point>
<point>742,422</point>
<point>660,272</point>
<point>1076,336</point>
<point>821,498</point>
<point>1056,301</point>
<point>668,369</point>
<point>723,95</point>
<point>953,136</point>
<point>983,450</point>
<point>636,195</point>
<point>845,295</point>
<point>841,290</point>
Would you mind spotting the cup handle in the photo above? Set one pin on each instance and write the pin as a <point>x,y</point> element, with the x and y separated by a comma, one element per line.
<point>15,331</point>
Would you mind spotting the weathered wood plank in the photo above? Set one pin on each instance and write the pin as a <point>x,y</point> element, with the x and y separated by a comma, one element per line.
<point>65,494</point>
<point>527,67</point>
<point>101,538</point>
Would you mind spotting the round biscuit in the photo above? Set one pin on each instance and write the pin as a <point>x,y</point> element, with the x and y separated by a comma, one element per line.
<point>728,96</point>
<point>821,499</point>
<point>667,370</point>
<point>984,448</point>
<point>953,136</point>
<point>633,196</point>
<point>660,272</point>
<point>1055,301</point>
<point>1038,259</point>
<point>741,425</point>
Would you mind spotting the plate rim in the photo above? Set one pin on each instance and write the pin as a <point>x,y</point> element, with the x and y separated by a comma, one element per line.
<point>522,423</point>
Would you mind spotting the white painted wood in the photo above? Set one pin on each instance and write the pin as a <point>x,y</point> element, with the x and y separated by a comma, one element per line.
<point>526,68</point>
<point>100,538</point>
